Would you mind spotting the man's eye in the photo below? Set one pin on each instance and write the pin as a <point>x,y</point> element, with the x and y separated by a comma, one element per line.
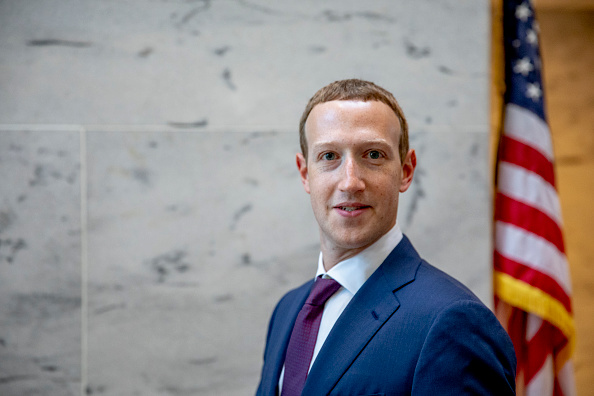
<point>375,154</point>
<point>329,156</point>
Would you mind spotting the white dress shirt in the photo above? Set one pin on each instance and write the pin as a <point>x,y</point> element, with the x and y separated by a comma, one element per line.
<point>351,273</point>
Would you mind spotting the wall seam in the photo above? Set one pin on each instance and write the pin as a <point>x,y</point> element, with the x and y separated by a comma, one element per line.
<point>84,263</point>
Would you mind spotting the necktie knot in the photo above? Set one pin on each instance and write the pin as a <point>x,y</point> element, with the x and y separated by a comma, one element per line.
<point>321,291</point>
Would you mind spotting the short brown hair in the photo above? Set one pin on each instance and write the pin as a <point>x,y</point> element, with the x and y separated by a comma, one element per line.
<point>354,89</point>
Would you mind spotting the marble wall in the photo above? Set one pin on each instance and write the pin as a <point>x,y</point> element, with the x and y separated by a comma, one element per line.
<point>151,214</point>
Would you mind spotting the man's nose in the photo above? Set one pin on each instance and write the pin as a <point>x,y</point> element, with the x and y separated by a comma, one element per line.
<point>351,177</point>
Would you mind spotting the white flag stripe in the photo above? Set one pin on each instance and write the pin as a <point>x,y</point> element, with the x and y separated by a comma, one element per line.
<point>566,380</point>
<point>533,324</point>
<point>529,188</point>
<point>533,251</point>
<point>543,383</point>
<point>528,128</point>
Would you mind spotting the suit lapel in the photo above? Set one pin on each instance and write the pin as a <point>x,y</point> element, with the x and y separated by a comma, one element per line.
<point>369,309</point>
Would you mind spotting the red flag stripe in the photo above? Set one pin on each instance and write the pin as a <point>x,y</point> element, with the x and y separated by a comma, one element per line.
<point>530,219</point>
<point>537,352</point>
<point>558,390</point>
<point>518,153</point>
<point>528,187</point>
<point>542,383</point>
<point>524,247</point>
<point>545,342</point>
<point>534,278</point>
<point>515,327</point>
<point>525,126</point>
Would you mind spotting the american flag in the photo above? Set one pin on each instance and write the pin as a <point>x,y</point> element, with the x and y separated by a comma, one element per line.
<point>531,274</point>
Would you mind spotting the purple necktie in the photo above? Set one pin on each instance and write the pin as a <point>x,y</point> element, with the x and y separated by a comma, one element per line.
<point>304,335</point>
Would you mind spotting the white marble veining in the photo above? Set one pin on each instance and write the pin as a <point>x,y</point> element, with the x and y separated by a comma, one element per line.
<point>196,221</point>
<point>40,289</point>
<point>447,211</point>
<point>237,63</point>
<point>192,238</point>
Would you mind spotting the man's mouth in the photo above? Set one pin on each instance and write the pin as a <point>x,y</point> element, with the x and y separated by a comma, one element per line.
<point>351,208</point>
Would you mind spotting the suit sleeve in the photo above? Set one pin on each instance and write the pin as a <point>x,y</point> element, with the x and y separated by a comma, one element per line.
<point>466,352</point>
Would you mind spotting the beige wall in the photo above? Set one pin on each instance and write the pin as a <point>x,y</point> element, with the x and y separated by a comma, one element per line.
<point>567,34</point>
<point>567,38</point>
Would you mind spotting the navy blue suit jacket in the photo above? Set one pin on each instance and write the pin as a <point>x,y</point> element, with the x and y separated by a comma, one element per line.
<point>410,330</point>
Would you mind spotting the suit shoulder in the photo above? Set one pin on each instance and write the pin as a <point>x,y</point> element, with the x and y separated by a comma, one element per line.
<point>409,274</point>
<point>433,291</point>
<point>441,284</point>
<point>461,328</point>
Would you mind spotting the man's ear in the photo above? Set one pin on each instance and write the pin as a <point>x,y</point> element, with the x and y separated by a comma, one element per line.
<point>302,167</point>
<point>408,170</point>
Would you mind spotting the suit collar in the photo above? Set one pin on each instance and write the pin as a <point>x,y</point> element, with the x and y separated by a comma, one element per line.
<point>400,267</point>
<point>369,309</point>
<point>353,272</point>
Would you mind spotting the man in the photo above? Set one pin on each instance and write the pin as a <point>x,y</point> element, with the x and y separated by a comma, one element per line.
<point>377,319</point>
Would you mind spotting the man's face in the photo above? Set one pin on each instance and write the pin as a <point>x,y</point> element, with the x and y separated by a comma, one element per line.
<point>353,172</point>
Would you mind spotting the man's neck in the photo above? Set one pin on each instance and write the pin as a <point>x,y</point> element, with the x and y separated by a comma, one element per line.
<point>333,254</point>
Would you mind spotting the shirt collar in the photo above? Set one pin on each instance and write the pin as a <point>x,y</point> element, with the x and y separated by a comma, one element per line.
<point>353,272</point>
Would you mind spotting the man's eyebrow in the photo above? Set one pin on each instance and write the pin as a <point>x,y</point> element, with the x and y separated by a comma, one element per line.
<point>371,142</point>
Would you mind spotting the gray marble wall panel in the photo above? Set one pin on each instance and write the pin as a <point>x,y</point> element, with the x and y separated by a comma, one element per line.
<point>40,266</point>
<point>196,221</point>
<point>248,64</point>
<point>192,238</point>
<point>447,211</point>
